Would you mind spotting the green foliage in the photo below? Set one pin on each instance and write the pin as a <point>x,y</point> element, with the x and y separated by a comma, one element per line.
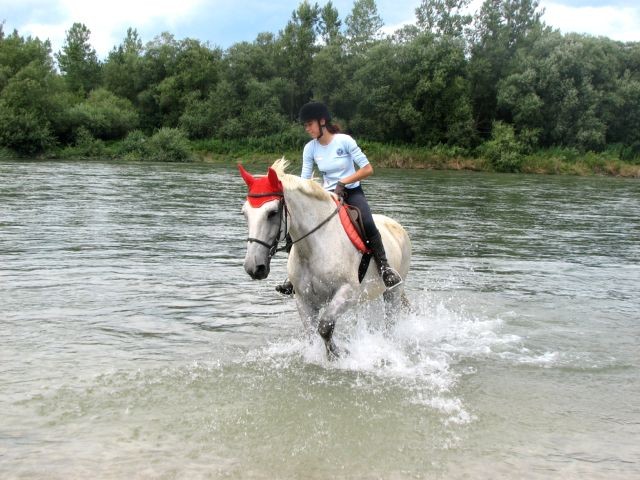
<point>27,89</point>
<point>299,41</point>
<point>290,140</point>
<point>169,145</point>
<point>565,88</point>
<point>87,145</point>
<point>363,25</point>
<point>104,115</point>
<point>6,154</point>
<point>503,151</point>
<point>134,146</point>
<point>165,145</point>
<point>443,17</point>
<point>501,29</point>
<point>123,70</point>
<point>78,60</point>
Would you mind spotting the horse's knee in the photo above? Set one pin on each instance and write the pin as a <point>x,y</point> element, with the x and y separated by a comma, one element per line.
<point>325,329</point>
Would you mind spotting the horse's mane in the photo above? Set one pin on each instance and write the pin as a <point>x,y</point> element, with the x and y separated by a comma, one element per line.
<point>290,182</point>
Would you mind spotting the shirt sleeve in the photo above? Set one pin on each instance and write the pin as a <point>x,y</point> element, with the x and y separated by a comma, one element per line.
<point>307,161</point>
<point>356,153</point>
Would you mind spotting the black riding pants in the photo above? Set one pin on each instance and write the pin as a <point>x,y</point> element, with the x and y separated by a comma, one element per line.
<point>355,197</point>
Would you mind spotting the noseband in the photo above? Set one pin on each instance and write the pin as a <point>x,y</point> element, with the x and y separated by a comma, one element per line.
<point>282,210</point>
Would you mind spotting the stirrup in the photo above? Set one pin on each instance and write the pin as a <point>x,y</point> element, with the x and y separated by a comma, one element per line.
<point>286,288</point>
<point>391,278</point>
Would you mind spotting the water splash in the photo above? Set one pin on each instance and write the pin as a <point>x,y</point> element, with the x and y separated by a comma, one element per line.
<point>424,352</point>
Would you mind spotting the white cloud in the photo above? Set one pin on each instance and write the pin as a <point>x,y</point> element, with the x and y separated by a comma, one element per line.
<point>203,19</point>
<point>108,21</point>
<point>618,23</point>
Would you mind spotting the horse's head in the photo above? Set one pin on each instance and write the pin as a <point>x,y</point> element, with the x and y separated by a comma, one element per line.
<point>264,213</point>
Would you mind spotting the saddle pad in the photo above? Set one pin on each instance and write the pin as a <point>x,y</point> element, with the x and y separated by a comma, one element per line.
<point>350,229</point>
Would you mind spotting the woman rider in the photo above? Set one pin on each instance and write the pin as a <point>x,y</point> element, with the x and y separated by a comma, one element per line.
<point>336,155</point>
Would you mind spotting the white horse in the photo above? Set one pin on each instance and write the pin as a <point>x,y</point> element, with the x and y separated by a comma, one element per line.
<point>323,263</point>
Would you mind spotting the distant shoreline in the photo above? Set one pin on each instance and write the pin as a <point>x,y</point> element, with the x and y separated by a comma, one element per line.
<point>555,161</point>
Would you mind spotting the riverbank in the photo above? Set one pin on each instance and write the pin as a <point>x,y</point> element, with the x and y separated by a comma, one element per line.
<point>170,145</point>
<point>547,162</point>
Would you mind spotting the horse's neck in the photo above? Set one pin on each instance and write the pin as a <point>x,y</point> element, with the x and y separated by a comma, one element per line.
<point>307,213</point>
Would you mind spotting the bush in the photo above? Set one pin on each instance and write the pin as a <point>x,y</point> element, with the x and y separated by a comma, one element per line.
<point>6,154</point>
<point>135,146</point>
<point>166,145</point>
<point>105,115</point>
<point>24,131</point>
<point>169,145</point>
<point>626,153</point>
<point>503,151</point>
<point>84,146</point>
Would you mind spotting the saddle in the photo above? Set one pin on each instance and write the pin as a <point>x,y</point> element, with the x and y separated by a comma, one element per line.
<point>351,220</point>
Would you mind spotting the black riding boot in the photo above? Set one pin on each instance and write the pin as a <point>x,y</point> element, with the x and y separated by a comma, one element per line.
<point>390,277</point>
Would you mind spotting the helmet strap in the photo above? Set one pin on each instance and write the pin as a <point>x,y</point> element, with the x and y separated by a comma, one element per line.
<point>322,128</point>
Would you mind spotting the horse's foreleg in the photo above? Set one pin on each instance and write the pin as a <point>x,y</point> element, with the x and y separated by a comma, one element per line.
<point>343,299</point>
<point>395,302</point>
<point>309,316</point>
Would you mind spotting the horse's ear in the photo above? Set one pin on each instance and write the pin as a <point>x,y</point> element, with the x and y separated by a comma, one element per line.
<point>247,177</point>
<point>273,179</point>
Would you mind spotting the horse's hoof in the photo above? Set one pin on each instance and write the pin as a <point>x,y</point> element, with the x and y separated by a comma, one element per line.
<point>333,352</point>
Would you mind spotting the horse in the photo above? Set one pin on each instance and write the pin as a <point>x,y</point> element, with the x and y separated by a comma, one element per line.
<point>323,263</point>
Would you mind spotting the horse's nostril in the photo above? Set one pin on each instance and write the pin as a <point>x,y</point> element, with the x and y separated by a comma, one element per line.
<point>261,272</point>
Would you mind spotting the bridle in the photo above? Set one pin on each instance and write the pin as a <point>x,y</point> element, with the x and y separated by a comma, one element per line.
<point>283,214</point>
<point>273,246</point>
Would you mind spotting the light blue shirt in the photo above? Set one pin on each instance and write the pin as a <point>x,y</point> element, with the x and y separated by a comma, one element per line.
<point>335,161</point>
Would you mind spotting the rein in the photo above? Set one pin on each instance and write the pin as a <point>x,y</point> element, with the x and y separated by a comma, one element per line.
<point>282,207</point>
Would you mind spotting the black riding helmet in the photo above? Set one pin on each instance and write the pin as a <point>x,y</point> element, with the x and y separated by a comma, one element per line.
<point>314,111</point>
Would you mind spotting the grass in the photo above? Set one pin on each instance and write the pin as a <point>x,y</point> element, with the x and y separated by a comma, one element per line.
<point>552,161</point>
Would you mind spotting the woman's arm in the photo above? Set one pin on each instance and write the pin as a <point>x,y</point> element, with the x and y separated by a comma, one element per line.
<point>360,174</point>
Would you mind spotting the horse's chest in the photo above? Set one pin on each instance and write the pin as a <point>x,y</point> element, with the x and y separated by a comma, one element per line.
<point>314,289</point>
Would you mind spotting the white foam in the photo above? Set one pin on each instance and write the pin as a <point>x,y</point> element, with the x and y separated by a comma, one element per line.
<point>420,351</point>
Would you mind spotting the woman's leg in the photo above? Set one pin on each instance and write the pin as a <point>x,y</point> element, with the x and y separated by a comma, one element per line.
<point>355,197</point>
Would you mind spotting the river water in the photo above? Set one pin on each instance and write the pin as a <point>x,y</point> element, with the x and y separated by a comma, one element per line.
<point>133,344</point>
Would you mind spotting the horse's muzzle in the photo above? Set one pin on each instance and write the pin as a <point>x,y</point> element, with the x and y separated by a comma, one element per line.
<point>257,272</point>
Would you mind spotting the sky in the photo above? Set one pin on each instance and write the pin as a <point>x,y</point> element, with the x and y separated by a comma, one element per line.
<point>222,23</point>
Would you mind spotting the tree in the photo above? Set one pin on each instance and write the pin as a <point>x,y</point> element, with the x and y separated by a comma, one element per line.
<point>363,25</point>
<point>569,90</point>
<point>78,60</point>
<point>248,100</point>
<point>330,25</point>
<point>443,17</point>
<point>28,93</point>
<point>123,67</point>
<point>501,27</point>
<point>299,46</point>
<point>174,73</point>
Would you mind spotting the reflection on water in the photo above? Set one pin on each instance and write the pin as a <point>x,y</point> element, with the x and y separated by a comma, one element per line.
<point>133,343</point>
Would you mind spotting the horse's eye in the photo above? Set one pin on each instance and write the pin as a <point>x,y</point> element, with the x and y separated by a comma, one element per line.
<point>272,214</point>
